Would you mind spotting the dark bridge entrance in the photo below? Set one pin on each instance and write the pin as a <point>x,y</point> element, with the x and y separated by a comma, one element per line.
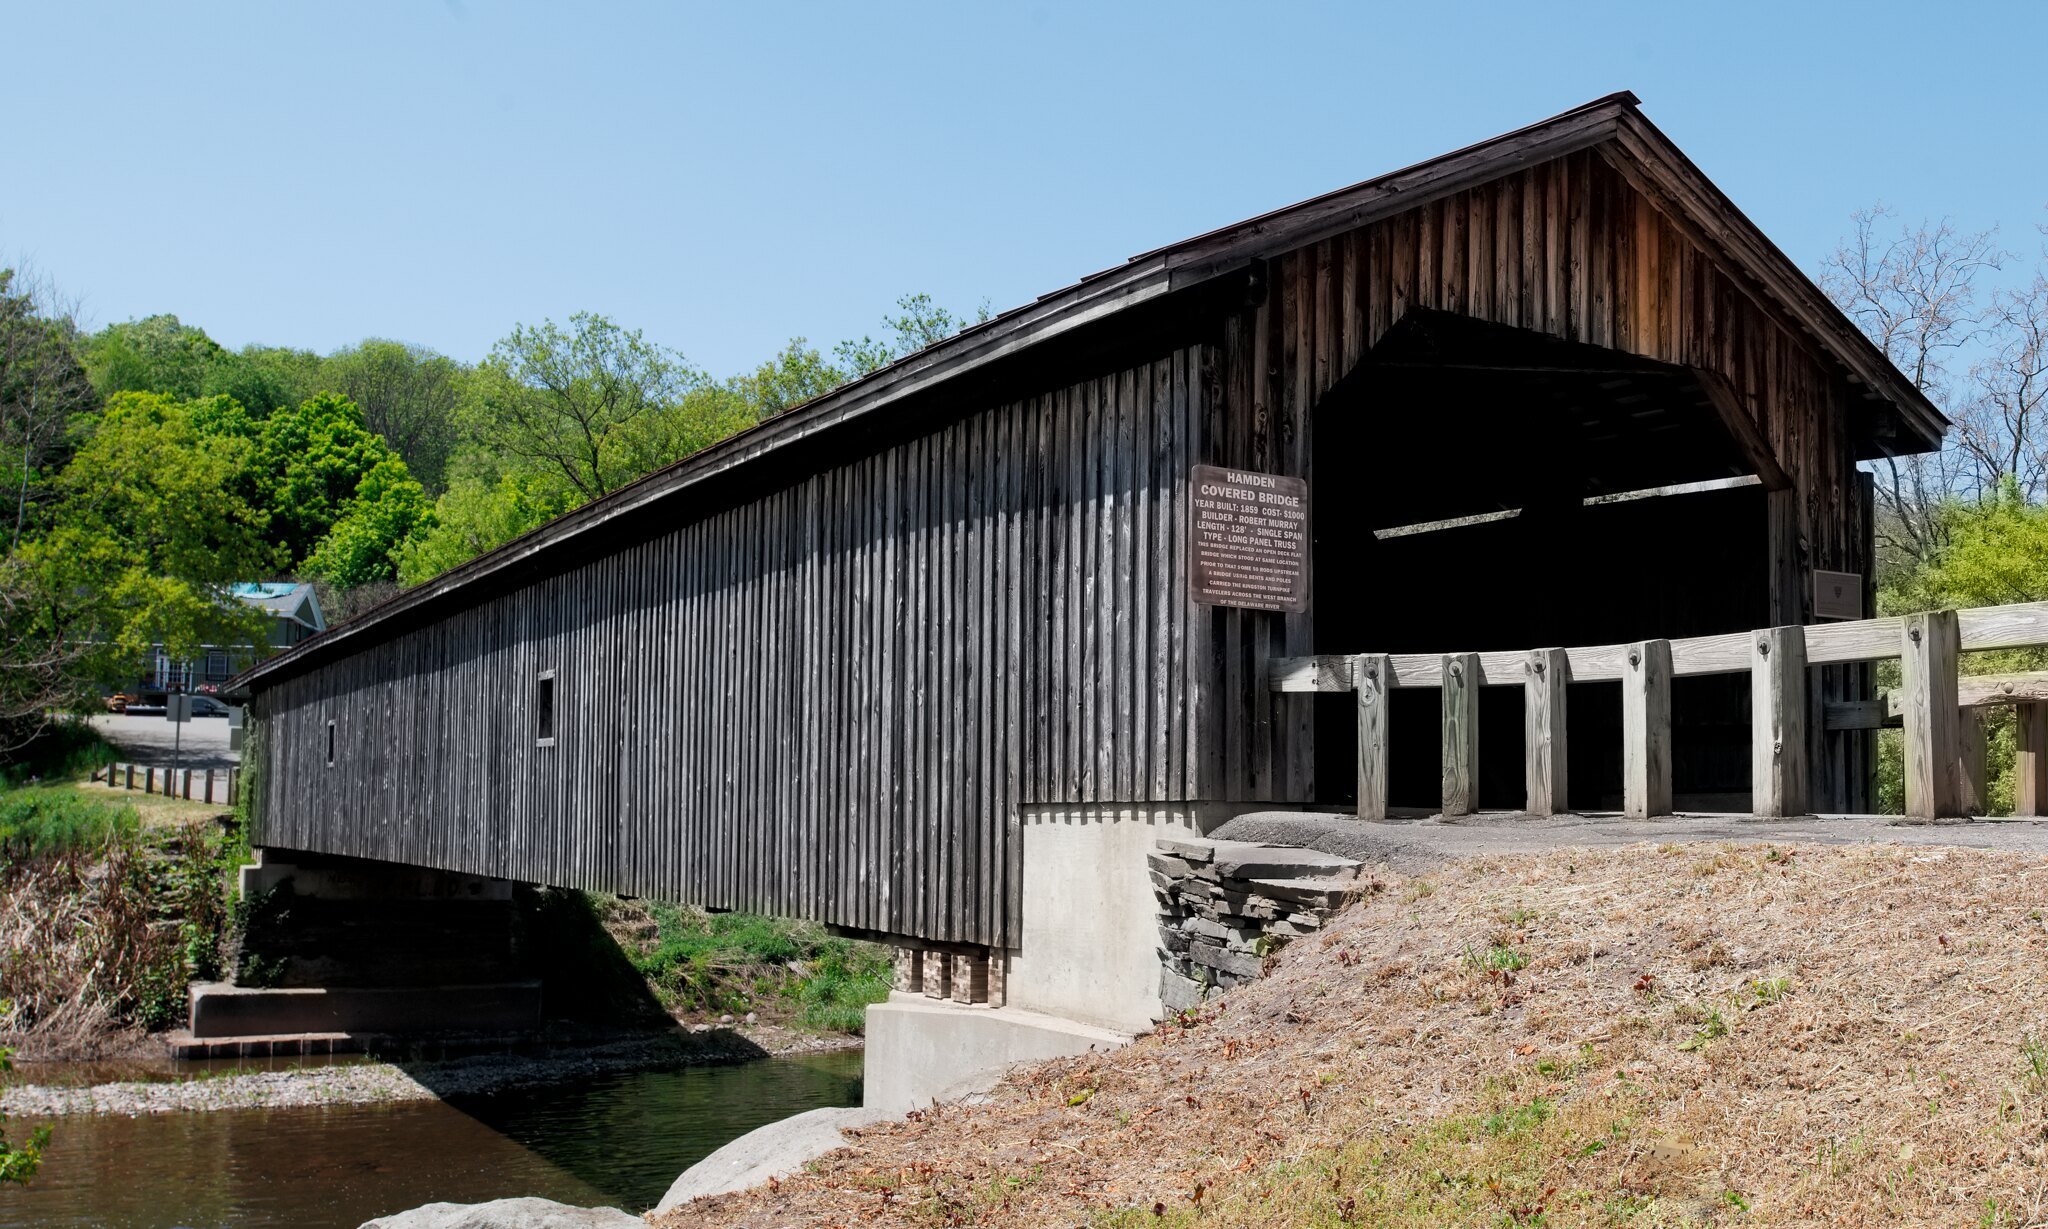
<point>1513,489</point>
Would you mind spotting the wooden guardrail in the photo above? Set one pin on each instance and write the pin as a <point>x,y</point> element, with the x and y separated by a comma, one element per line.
<point>213,786</point>
<point>1944,741</point>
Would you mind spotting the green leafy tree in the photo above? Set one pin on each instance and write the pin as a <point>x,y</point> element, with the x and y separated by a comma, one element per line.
<point>791,378</point>
<point>44,400</point>
<point>569,400</point>
<point>409,395</point>
<point>479,512</point>
<point>918,322</point>
<point>311,459</point>
<point>157,354</point>
<point>146,536</point>
<point>1992,552</point>
<point>265,379</point>
<point>388,508</point>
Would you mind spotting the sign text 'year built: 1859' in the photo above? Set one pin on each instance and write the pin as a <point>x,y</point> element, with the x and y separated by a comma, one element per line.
<point>1249,539</point>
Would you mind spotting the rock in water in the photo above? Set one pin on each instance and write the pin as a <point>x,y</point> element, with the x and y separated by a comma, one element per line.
<point>774,1151</point>
<point>507,1214</point>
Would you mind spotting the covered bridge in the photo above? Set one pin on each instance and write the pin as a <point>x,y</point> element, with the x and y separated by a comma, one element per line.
<point>882,659</point>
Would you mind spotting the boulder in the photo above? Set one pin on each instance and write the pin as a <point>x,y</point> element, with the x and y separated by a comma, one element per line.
<point>774,1151</point>
<point>507,1214</point>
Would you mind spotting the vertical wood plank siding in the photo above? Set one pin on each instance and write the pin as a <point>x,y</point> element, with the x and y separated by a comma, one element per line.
<point>826,702</point>
<point>831,700</point>
<point>1570,248</point>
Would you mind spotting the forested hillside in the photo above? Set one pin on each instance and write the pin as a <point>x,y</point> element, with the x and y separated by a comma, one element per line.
<point>145,467</point>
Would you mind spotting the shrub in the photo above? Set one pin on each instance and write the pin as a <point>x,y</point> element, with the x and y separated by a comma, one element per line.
<point>61,751</point>
<point>18,1161</point>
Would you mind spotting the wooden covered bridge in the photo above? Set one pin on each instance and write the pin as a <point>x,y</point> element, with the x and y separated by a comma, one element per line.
<point>907,658</point>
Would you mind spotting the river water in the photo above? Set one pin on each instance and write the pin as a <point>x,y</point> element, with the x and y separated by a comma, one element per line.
<point>616,1140</point>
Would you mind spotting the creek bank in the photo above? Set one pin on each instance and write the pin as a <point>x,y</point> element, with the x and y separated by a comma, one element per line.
<point>370,1082</point>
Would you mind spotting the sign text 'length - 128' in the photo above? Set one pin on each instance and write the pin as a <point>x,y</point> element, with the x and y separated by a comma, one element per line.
<point>1250,539</point>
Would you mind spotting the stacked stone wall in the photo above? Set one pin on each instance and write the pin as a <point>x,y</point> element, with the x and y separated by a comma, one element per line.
<point>1225,906</point>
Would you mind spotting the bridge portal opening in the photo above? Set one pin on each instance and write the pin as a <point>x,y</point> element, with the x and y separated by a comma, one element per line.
<point>1481,487</point>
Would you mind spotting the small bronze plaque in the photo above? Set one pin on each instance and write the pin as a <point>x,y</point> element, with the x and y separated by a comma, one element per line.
<point>1837,595</point>
<point>1249,539</point>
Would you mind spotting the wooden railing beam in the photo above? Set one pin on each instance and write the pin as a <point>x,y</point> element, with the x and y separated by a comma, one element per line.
<point>2024,625</point>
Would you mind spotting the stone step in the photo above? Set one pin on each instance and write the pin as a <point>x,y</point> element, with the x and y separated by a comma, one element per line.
<point>219,1010</point>
<point>1250,860</point>
<point>182,1044</point>
<point>1319,892</point>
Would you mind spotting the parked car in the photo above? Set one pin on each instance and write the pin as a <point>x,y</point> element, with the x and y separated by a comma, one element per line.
<point>119,702</point>
<point>207,706</point>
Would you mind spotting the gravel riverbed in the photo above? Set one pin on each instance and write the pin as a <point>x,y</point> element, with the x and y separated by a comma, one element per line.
<point>364,1083</point>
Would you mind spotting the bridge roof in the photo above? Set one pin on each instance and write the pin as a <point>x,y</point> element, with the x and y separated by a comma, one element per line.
<point>1614,126</point>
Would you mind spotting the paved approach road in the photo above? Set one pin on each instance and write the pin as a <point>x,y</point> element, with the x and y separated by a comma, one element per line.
<point>148,740</point>
<point>1414,844</point>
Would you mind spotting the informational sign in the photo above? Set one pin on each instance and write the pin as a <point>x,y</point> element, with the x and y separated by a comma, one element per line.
<point>1837,595</point>
<point>178,708</point>
<point>1249,536</point>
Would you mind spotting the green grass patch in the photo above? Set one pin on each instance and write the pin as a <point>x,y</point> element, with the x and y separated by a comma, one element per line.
<point>43,821</point>
<point>719,963</point>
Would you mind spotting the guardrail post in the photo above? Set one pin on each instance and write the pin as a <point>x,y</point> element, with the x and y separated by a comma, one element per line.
<point>1928,647</point>
<point>1369,674</point>
<point>1780,782</point>
<point>129,781</point>
<point>2030,765</point>
<point>1461,734</point>
<point>1545,676</point>
<point>1646,730</point>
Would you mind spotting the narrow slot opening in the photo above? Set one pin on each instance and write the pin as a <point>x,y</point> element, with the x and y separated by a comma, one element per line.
<point>330,744</point>
<point>544,710</point>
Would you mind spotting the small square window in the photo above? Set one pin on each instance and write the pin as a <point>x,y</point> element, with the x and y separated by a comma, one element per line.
<point>330,744</point>
<point>544,710</point>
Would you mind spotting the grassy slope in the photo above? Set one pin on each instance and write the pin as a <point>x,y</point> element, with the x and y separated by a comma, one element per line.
<point>1652,1036</point>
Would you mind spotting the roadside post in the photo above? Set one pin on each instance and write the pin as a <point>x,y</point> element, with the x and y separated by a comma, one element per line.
<point>178,711</point>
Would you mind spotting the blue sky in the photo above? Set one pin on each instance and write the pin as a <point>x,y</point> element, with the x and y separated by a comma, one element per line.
<point>726,177</point>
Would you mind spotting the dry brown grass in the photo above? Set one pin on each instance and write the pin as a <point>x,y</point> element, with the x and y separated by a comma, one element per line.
<point>76,933</point>
<point>1695,1034</point>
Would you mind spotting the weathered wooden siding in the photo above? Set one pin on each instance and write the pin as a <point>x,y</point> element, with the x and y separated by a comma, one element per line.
<point>828,702</point>
<point>831,699</point>
<point>1571,248</point>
